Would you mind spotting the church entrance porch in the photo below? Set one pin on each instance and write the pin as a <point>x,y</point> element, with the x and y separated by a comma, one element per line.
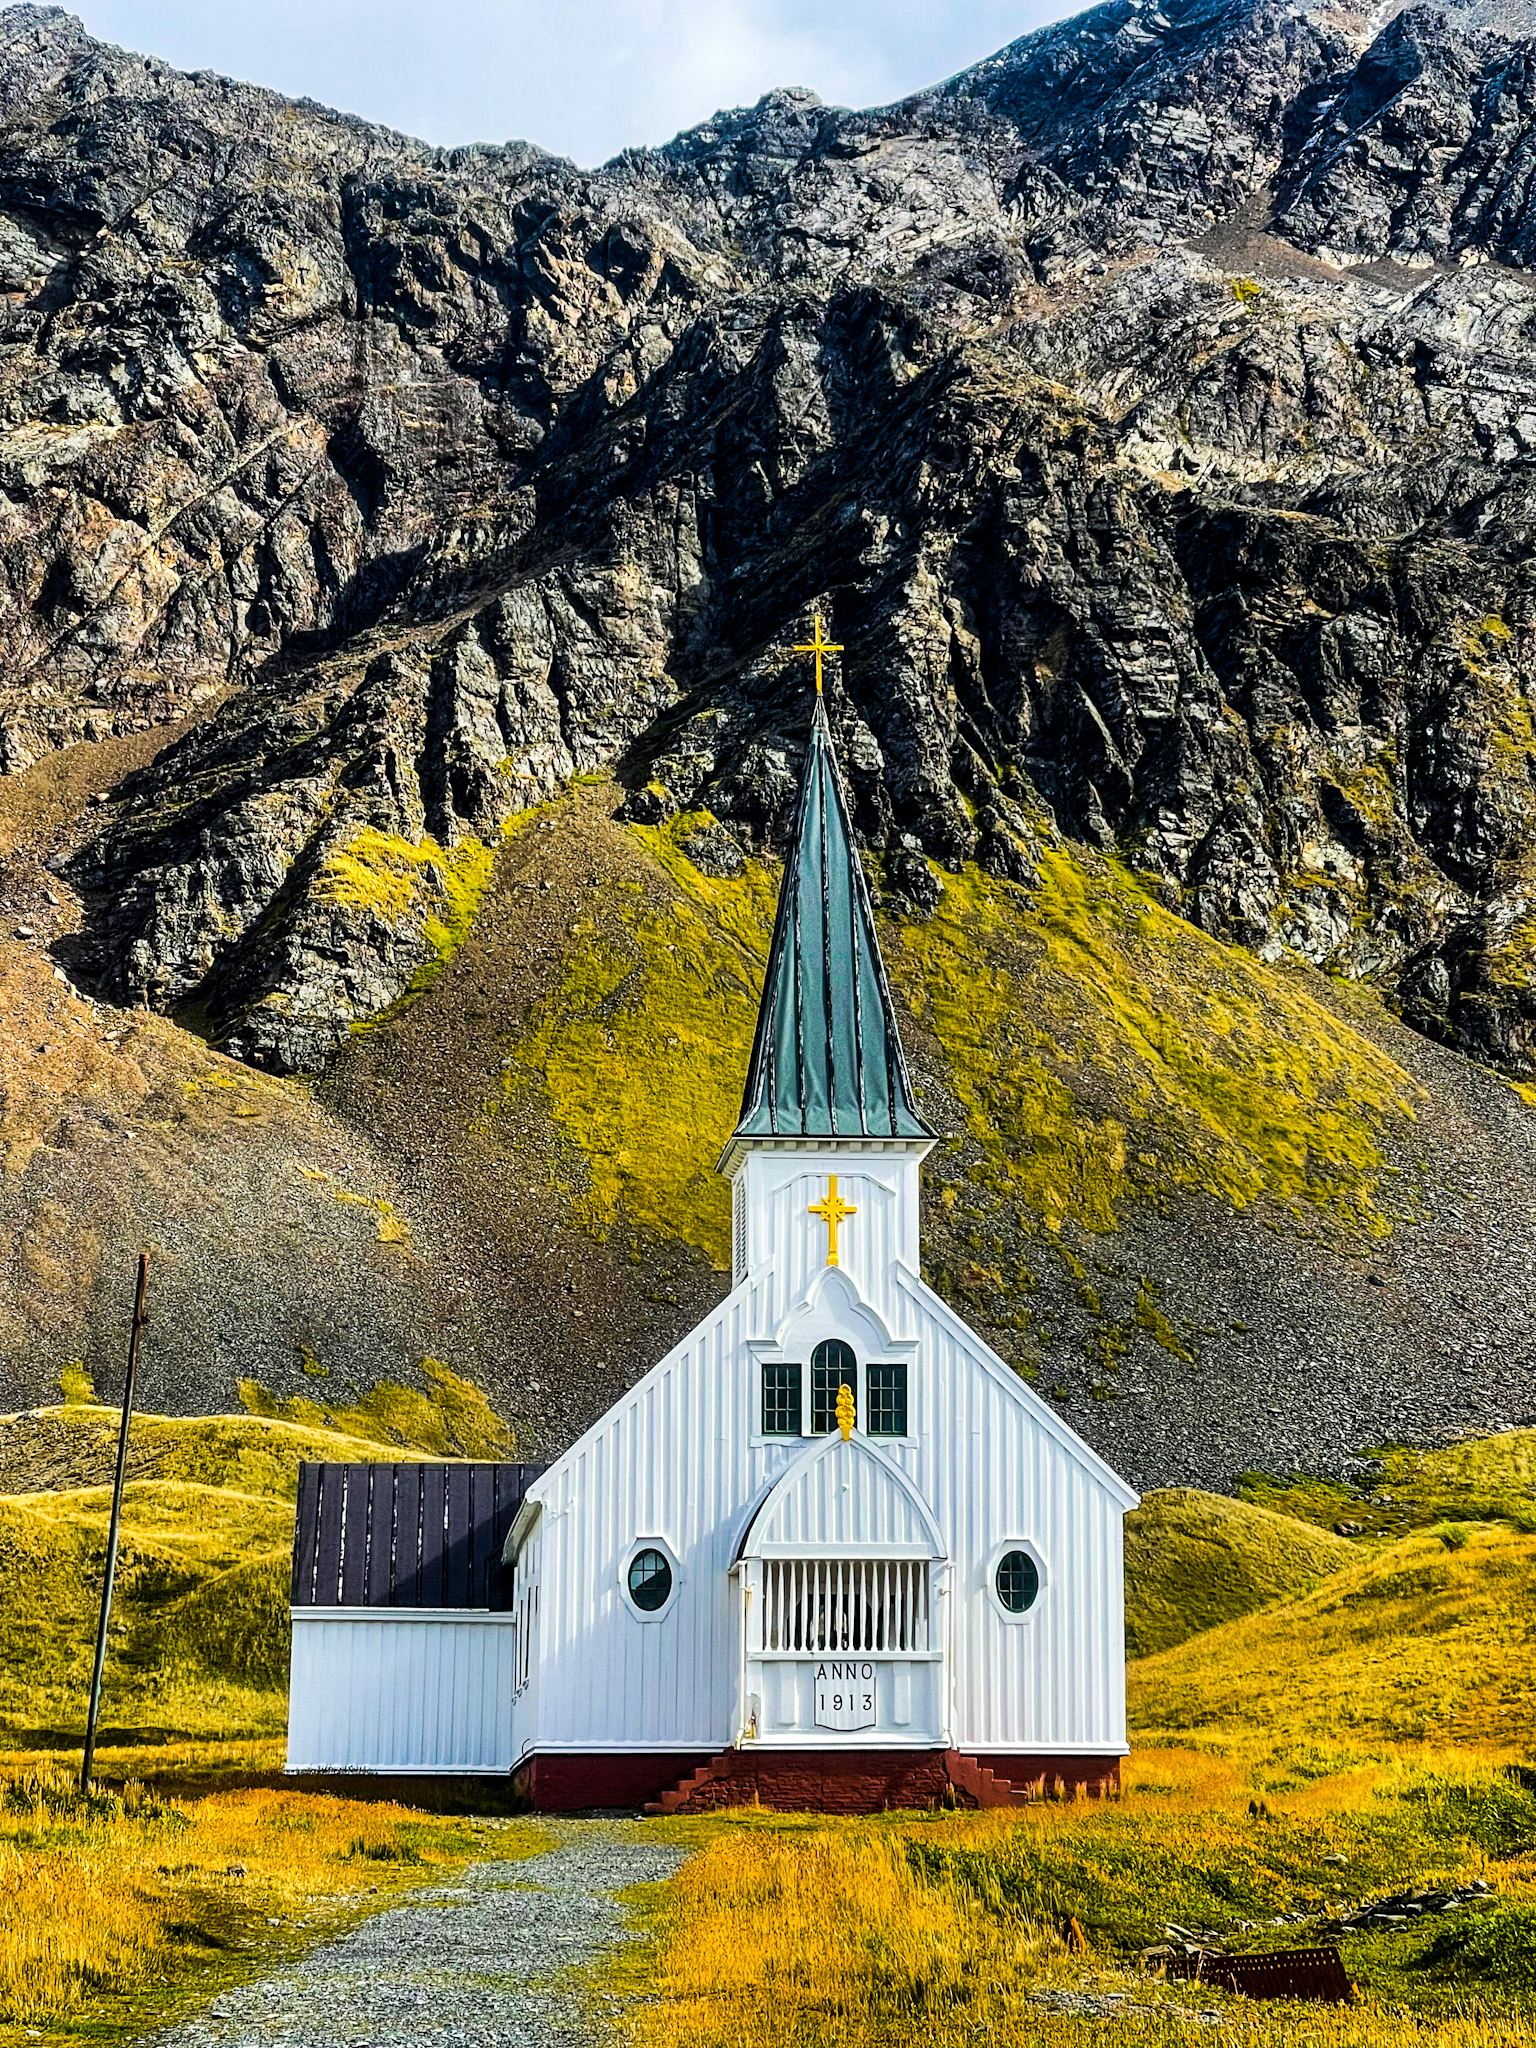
<point>841,1646</point>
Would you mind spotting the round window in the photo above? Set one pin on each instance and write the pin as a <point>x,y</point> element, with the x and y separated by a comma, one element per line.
<point>1018,1581</point>
<point>650,1580</point>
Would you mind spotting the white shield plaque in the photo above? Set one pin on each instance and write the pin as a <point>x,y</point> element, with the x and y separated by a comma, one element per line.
<point>845,1694</point>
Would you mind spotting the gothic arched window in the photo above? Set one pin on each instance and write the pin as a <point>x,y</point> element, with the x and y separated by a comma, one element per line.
<point>833,1365</point>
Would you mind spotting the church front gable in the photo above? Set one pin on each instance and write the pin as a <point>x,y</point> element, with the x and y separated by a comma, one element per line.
<point>844,1497</point>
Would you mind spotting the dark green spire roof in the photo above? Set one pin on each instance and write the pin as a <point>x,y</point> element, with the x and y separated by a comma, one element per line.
<point>827,1060</point>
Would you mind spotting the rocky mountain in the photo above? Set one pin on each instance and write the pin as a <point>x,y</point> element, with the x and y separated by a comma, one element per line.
<point>399,550</point>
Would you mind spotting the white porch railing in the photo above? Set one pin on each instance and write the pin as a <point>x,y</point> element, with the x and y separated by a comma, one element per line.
<point>841,1605</point>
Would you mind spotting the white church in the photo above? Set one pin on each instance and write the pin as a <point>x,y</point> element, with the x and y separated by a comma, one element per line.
<point>830,1552</point>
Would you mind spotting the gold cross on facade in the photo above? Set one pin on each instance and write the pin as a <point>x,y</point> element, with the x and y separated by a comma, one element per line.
<point>832,1212</point>
<point>819,647</point>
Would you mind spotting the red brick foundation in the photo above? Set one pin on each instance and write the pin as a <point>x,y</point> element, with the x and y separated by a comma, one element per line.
<point>1096,1775</point>
<point>565,1784</point>
<point>806,1780</point>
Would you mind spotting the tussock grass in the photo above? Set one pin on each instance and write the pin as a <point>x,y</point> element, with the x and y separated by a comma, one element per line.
<point>1412,1643</point>
<point>1194,1560</point>
<point>200,1633</point>
<point>118,1907</point>
<point>818,1934</point>
<point>199,1638</point>
<point>949,1928</point>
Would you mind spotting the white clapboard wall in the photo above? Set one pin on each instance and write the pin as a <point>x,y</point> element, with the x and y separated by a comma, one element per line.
<point>404,1639</point>
<point>681,1464</point>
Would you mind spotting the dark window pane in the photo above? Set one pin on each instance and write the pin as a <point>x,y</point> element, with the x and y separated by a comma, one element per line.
<point>1017,1581</point>
<point>650,1580</point>
<point>832,1366</point>
<point>887,1400</point>
<point>781,1400</point>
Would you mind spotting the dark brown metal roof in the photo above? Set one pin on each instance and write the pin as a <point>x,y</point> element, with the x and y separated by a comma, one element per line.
<point>404,1535</point>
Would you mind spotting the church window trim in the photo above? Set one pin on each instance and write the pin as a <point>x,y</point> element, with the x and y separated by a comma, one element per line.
<point>1016,1617</point>
<point>783,1393</point>
<point>834,1364</point>
<point>640,1548</point>
<point>885,1397</point>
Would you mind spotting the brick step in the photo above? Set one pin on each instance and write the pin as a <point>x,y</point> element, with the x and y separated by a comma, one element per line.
<point>678,1795</point>
<point>983,1786</point>
<point>972,1781</point>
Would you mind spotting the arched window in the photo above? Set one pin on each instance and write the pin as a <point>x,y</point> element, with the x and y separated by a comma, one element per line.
<point>650,1580</point>
<point>832,1366</point>
<point>1018,1581</point>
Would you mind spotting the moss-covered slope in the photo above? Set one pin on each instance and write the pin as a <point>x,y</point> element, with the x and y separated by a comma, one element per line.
<point>1194,1560</point>
<point>199,1641</point>
<point>1415,1642</point>
<point>1211,1206</point>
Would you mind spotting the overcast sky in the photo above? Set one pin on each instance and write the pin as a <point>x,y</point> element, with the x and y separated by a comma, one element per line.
<point>586,78</point>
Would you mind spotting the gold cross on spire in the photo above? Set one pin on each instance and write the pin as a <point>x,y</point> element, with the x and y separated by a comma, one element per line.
<point>832,1212</point>
<point>819,647</point>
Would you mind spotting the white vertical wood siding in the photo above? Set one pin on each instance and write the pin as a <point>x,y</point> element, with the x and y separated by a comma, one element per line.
<point>675,1460</point>
<point>401,1690</point>
<point>1055,1678</point>
<point>787,1247</point>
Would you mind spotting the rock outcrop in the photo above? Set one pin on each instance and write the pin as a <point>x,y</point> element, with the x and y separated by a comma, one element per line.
<point>1149,408</point>
<point>1150,413</point>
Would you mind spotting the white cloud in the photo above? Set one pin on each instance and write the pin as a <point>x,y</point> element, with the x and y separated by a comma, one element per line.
<point>586,78</point>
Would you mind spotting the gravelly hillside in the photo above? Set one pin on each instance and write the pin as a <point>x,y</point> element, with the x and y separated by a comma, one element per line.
<point>1150,412</point>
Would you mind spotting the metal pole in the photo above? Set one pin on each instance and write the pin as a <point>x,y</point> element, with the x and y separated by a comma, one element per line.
<point>139,1320</point>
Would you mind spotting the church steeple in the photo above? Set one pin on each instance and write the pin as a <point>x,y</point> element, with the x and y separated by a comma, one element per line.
<point>827,1059</point>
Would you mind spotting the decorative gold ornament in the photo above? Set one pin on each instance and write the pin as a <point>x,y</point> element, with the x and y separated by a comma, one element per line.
<point>832,1212</point>
<point>845,1410</point>
<point>819,647</point>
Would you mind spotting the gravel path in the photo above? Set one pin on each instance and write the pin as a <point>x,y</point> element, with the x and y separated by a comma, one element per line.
<point>485,1961</point>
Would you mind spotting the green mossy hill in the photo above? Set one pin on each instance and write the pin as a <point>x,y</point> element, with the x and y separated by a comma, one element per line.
<point>449,1418</point>
<point>643,1048</point>
<point>199,1630</point>
<point>1104,1051</point>
<point>1194,1560</point>
<point>199,1643</point>
<point>1412,1642</point>
<point>1485,1479</point>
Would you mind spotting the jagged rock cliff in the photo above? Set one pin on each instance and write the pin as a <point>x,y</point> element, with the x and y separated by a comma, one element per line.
<point>1149,410</point>
<point>1149,407</point>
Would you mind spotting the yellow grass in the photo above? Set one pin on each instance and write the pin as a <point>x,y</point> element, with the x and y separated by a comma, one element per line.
<point>934,1931</point>
<point>115,1909</point>
<point>1374,1716</point>
<point>822,1935</point>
